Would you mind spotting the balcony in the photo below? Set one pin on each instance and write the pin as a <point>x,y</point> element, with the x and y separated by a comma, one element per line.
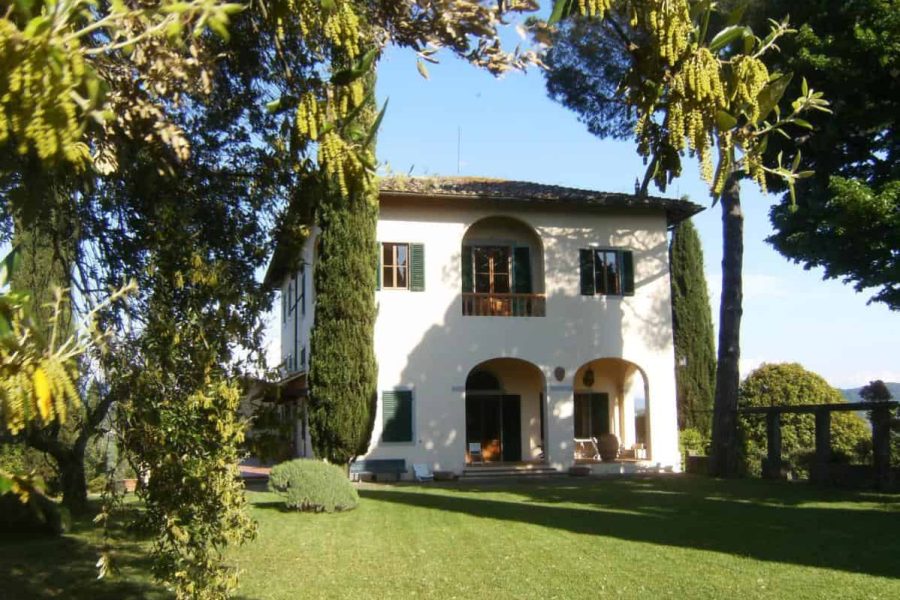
<point>504,305</point>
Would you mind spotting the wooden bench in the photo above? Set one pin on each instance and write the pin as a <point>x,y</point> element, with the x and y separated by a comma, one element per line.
<point>385,469</point>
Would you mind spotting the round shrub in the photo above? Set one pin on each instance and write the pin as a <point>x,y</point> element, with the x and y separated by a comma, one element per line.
<point>313,485</point>
<point>791,384</point>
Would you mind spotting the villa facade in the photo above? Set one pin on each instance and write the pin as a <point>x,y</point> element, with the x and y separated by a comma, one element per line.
<point>516,323</point>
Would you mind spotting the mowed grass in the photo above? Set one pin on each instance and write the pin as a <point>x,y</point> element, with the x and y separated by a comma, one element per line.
<point>666,537</point>
<point>676,537</point>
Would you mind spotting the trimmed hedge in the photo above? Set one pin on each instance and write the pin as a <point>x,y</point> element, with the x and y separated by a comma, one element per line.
<point>312,485</point>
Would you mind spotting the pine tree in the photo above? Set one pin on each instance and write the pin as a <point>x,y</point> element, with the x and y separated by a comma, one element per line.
<point>695,352</point>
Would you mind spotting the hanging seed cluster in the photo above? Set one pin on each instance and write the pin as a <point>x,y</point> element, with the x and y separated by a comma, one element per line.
<point>39,80</point>
<point>335,32</point>
<point>36,391</point>
<point>593,8</point>
<point>750,77</point>
<point>696,95</point>
<point>668,22</point>
<point>699,103</point>
<point>337,25</point>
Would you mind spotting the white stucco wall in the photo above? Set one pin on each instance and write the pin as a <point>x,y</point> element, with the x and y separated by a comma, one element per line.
<point>424,343</point>
<point>295,325</point>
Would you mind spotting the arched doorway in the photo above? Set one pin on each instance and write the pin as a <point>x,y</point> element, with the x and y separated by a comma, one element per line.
<point>612,399</point>
<point>504,412</point>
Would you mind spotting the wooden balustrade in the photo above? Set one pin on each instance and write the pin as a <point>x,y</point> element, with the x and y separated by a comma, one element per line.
<point>504,305</point>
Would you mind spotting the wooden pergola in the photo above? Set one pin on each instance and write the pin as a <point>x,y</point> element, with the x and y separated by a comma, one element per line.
<point>881,436</point>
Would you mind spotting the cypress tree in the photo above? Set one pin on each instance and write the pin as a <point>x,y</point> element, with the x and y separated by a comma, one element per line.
<point>695,354</point>
<point>343,372</point>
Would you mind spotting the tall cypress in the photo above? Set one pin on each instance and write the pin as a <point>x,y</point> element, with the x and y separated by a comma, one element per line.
<point>343,372</point>
<point>695,354</point>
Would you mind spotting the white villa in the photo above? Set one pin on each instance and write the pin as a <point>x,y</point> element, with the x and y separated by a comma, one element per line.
<point>517,323</point>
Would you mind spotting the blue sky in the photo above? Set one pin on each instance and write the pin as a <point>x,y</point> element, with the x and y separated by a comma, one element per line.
<point>510,129</point>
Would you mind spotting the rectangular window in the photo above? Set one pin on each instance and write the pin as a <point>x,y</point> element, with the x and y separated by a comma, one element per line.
<point>303,290</point>
<point>607,272</point>
<point>395,266</point>
<point>397,416</point>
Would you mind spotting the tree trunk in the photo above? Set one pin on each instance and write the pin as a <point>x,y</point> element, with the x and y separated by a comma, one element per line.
<point>723,459</point>
<point>69,460</point>
<point>72,481</point>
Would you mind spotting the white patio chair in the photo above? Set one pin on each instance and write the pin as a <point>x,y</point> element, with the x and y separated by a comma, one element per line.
<point>422,472</point>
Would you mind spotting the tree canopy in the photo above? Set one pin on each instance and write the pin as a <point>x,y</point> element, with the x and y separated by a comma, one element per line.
<point>847,216</point>
<point>789,384</point>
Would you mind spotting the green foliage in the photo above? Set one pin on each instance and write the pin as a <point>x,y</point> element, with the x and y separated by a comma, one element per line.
<point>59,91</point>
<point>691,84</point>
<point>271,436</point>
<point>847,216</point>
<point>695,351</point>
<point>19,459</point>
<point>789,384</point>
<point>194,504</point>
<point>29,511</point>
<point>343,372</point>
<point>312,485</point>
<point>692,442</point>
<point>875,391</point>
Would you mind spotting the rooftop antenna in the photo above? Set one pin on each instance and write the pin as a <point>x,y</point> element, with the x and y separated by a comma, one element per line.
<point>458,144</point>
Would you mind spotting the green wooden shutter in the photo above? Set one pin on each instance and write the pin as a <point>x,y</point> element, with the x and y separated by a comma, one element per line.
<point>586,262</point>
<point>396,416</point>
<point>599,414</point>
<point>417,267</point>
<point>378,266</point>
<point>522,270</point>
<point>468,284</point>
<point>627,273</point>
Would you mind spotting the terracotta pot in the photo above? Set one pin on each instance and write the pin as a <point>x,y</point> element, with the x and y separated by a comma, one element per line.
<point>608,445</point>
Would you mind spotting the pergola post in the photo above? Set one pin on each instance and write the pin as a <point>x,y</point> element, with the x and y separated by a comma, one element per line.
<point>823,446</point>
<point>772,464</point>
<point>881,445</point>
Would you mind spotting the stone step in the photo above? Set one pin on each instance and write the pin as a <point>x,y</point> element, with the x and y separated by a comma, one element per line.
<point>489,472</point>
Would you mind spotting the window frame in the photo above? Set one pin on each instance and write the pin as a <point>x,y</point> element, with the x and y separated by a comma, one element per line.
<point>619,257</point>
<point>625,284</point>
<point>394,266</point>
<point>494,275</point>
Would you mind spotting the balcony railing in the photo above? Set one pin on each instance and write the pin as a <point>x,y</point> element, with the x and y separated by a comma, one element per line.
<point>504,305</point>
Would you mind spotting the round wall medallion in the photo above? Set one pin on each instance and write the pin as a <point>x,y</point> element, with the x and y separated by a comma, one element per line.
<point>559,373</point>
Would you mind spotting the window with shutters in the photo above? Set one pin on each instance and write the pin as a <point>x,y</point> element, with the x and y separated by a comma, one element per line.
<point>397,416</point>
<point>395,266</point>
<point>401,267</point>
<point>606,272</point>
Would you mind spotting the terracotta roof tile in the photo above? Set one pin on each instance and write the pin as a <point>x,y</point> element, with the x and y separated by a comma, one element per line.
<point>533,193</point>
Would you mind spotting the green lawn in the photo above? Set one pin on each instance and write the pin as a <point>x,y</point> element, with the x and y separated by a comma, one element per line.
<point>676,537</point>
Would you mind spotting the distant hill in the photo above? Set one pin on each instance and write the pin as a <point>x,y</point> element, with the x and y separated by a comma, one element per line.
<point>852,394</point>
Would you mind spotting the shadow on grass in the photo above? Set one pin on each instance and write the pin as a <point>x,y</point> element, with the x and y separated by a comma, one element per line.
<point>64,567</point>
<point>770,522</point>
